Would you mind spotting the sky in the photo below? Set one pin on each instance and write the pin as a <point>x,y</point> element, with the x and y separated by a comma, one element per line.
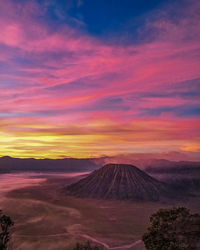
<point>85,78</point>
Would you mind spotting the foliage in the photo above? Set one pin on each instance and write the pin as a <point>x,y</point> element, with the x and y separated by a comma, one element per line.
<point>5,223</point>
<point>87,246</point>
<point>173,229</point>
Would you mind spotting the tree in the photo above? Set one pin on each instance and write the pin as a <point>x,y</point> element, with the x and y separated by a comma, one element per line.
<point>5,223</point>
<point>173,229</point>
<point>87,246</point>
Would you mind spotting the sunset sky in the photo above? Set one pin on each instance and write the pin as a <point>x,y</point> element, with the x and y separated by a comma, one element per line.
<point>87,78</point>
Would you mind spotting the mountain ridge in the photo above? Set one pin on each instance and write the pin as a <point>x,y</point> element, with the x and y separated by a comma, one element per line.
<point>9,165</point>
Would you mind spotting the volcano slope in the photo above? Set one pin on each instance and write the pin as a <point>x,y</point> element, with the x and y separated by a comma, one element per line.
<point>119,182</point>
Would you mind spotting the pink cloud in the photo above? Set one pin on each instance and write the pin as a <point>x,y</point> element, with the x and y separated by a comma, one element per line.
<point>130,75</point>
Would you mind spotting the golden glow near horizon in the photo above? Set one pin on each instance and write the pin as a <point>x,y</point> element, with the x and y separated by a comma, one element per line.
<point>96,139</point>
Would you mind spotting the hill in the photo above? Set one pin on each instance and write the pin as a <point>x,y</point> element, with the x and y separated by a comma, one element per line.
<point>119,182</point>
<point>9,164</point>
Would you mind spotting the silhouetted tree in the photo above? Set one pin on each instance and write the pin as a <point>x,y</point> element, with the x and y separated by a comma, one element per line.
<point>173,229</point>
<point>5,223</point>
<point>87,246</point>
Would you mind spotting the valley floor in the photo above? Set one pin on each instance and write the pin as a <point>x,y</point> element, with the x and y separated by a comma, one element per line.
<point>45,218</point>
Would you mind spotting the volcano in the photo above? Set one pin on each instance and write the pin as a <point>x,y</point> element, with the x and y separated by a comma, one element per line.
<point>118,182</point>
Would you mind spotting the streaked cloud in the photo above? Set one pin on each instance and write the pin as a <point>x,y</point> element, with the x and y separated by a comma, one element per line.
<point>66,92</point>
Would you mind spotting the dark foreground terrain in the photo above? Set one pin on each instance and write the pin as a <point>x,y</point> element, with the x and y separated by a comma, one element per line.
<point>45,218</point>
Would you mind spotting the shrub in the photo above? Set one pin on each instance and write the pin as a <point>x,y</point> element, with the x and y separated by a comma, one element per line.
<point>87,246</point>
<point>173,229</point>
<point>5,224</point>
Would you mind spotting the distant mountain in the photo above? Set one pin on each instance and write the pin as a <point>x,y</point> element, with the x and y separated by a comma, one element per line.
<point>180,167</point>
<point>150,164</point>
<point>9,164</point>
<point>182,176</point>
<point>120,182</point>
